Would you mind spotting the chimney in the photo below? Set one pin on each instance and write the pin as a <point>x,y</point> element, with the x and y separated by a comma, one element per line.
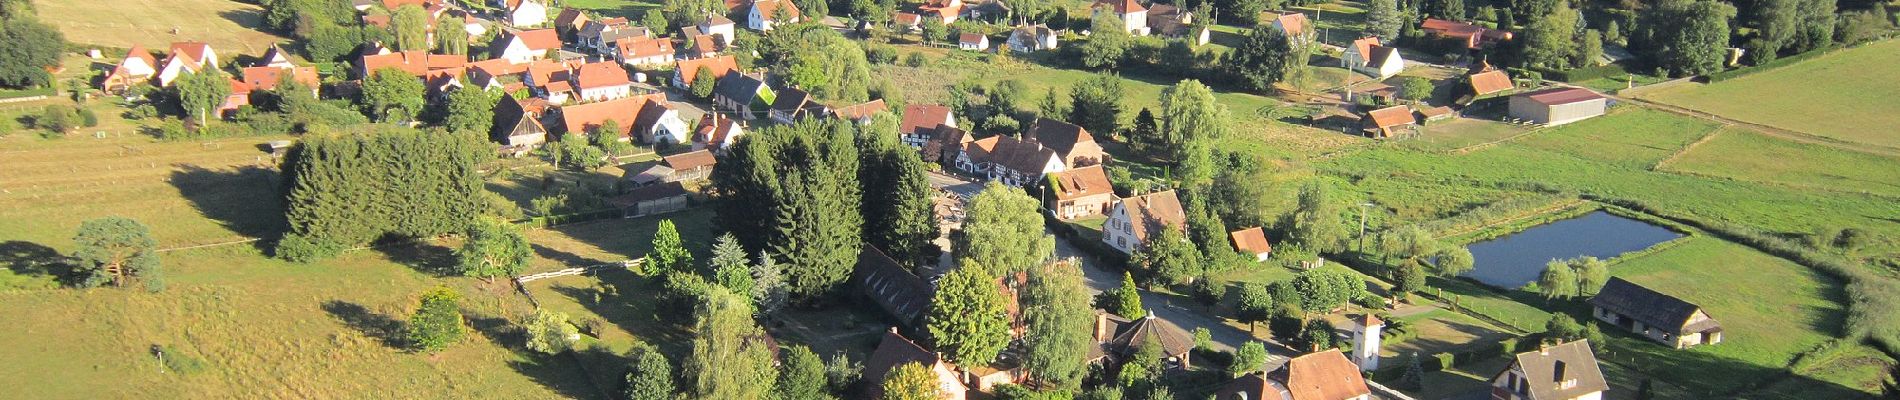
<point>1101,326</point>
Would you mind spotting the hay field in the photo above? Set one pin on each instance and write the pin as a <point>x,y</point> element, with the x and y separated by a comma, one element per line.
<point>230,26</point>
<point>1847,95</point>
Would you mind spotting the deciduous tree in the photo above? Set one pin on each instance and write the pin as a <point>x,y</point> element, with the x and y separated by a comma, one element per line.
<point>1454,261</point>
<point>493,248</point>
<point>200,93</point>
<point>730,358</point>
<point>550,333</point>
<point>470,111</point>
<point>911,381</point>
<point>803,376</point>
<point>1262,58</point>
<point>410,25</point>
<point>437,323</point>
<point>1191,120</point>
<point>1557,281</point>
<point>1170,257</point>
<point>1316,223</point>
<point>1253,304</point>
<point>967,319</point>
<point>668,254</point>
<point>1107,42</point>
<point>1096,104</point>
<point>27,47</point>
<point>1004,232</point>
<point>391,95</point>
<point>650,377</point>
<point>1057,318</point>
<point>1249,358</point>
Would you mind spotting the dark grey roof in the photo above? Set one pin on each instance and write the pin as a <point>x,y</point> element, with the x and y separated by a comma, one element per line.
<point>1024,156</point>
<point>1138,332</point>
<point>1542,373</point>
<point>1650,307</point>
<point>738,87</point>
<point>797,103</point>
<point>899,292</point>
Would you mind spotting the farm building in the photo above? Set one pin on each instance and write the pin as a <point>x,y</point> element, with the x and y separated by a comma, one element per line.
<point>893,288</point>
<point>1030,38</point>
<point>1388,122</point>
<point>973,42</point>
<point>650,200</point>
<point>1558,106</point>
<point>1659,317</point>
<point>1252,241</point>
<point>1564,371</point>
<point>1080,192</point>
<point>1325,375</point>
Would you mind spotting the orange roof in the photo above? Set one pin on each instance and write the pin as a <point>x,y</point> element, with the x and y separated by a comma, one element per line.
<point>1251,240</point>
<point>1391,116</point>
<point>921,117</point>
<point>1450,28</point>
<point>1364,46</point>
<point>689,160</point>
<point>971,38</point>
<point>601,74</point>
<point>445,61</point>
<point>193,51</point>
<point>860,111</point>
<point>1490,82</point>
<point>769,8</point>
<point>578,119</point>
<point>1080,182</point>
<point>415,63</point>
<point>1293,22</point>
<point>643,47</point>
<point>498,67</point>
<point>1562,96</point>
<point>1323,375</point>
<point>139,52</point>
<point>1123,6</point>
<point>266,78</point>
<point>540,39</point>
<point>545,72</point>
<point>720,65</point>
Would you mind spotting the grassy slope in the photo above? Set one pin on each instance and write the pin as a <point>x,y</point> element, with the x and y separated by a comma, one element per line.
<point>229,26</point>
<point>1847,95</point>
<point>1740,154</point>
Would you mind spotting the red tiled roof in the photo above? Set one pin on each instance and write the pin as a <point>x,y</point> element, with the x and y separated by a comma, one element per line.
<point>1364,46</point>
<point>1080,182</point>
<point>546,72</point>
<point>266,78</point>
<point>1321,376</point>
<point>193,51</point>
<point>1391,116</point>
<point>689,160</point>
<point>578,119</point>
<point>720,65</point>
<point>570,18</point>
<point>907,18</point>
<point>415,63</point>
<point>642,47</point>
<point>1154,211</point>
<point>1251,240</point>
<point>1556,96</point>
<point>921,117</point>
<point>141,53</point>
<point>860,111</point>
<point>601,74</point>
<point>1123,6</point>
<point>1294,22</point>
<point>969,38</point>
<point>1493,81</point>
<point>540,39</point>
<point>769,8</point>
<point>1450,28</point>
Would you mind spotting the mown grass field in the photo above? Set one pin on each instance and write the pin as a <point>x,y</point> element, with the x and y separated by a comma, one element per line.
<point>631,9</point>
<point>1746,155</point>
<point>1847,95</point>
<point>230,26</point>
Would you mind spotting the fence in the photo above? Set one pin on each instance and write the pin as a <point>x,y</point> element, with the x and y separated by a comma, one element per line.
<point>579,270</point>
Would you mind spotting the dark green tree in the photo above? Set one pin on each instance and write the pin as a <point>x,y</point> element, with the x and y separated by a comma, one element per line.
<point>1550,41</point>
<point>1253,304</point>
<point>116,251</point>
<point>1241,189</point>
<point>1410,276</point>
<point>655,21</point>
<point>1108,41</point>
<point>1262,58</point>
<point>968,319</point>
<point>1052,106</point>
<point>730,268</point>
<point>391,95</point>
<point>802,376</point>
<point>1326,289</point>
<point>703,81</point>
<point>1686,37</point>
<point>344,190</point>
<point>1249,358</point>
<point>902,221</point>
<point>470,111</point>
<point>1057,318</point>
<point>27,47</point>
<point>1096,104</point>
<point>1126,300</point>
<point>437,323</point>
<point>1170,258</point>
<point>650,377</point>
<point>200,93</point>
<point>1318,335</point>
<point>1383,20</point>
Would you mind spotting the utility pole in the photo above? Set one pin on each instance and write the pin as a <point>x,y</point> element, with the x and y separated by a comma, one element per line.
<point>1362,225</point>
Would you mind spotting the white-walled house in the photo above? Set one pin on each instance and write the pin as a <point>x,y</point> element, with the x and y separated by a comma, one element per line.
<point>603,80</point>
<point>1134,16</point>
<point>137,68</point>
<point>1030,38</point>
<point>1368,57</point>
<point>718,26</point>
<point>1562,372</point>
<point>973,41</point>
<point>764,14</point>
<point>1134,220</point>
<point>526,46</point>
<point>527,13</point>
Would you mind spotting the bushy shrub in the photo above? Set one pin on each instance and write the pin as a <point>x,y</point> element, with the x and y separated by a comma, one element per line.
<point>880,54</point>
<point>1445,361</point>
<point>915,60</point>
<point>87,118</point>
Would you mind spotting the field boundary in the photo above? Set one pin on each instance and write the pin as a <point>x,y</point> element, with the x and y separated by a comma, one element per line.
<point>1769,130</point>
<point>1692,145</point>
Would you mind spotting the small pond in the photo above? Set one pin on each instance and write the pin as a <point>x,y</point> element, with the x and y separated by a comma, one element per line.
<point>1517,259</point>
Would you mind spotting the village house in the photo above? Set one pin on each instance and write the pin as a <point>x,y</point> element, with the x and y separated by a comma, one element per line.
<point>893,351</point>
<point>743,94</point>
<point>699,45</point>
<point>1562,372</point>
<point>1009,160</point>
<point>138,67</point>
<point>685,71</point>
<point>1074,145</point>
<point>601,36</point>
<point>763,14</point>
<point>1134,16</point>
<point>1119,338</point>
<point>1293,24</point>
<point>1654,315</point>
<point>473,25</point>
<point>1325,375</point>
<point>993,11</point>
<point>415,63</point>
<point>860,113</point>
<point>793,105</point>
<point>525,13</point>
<point>945,145</point>
<point>1175,22</point>
<point>602,81</point>
<point>921,121</point>
<point>973,41</point>
<point>1032,38</point>
<point>1486,84</point>
<point>551,80</point>
<point>1132,221</point>
<point>945,11</point>
<point>652,200</point>
<point>1079,193</point>
<point>1473,37</point>
<point>1252,242</point>
<point>1365,341</point>
<point>692,166</point>
<point>526,46</point>
<point>1389,122</point>
<point>267,78</point>
<point>645,118</point>
<point>1558,106</point>
<point>892,287</point>
<point>569,23</point>
<point>716,133</point>
<point>518,125</point>
<point>717,26</point>
<point>185,57</point>
<point>274,57</point>
<point>238,97</point>
<point>642,52</point>
<point>1368,57</point>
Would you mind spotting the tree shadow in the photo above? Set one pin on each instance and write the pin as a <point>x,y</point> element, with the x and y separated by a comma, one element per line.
<point>34,259</point>
<point>565,373</point>
<point>245,200</point>
<point>564,258</point>
<point>421,255</point>
<point>633,304</point>
<point>383,328</point>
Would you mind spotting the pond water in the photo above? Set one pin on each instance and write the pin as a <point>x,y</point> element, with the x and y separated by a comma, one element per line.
<point>1517,259</point>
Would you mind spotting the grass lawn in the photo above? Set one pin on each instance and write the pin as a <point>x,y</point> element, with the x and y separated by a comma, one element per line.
<point>632,9</point>
<point>1635,138</point>
<point>1742,154</point>
<point>1441,331</point>
<point>1612,84</point>
<point>230,26</point>
<point>1846,95</point>
<point>1460,132</point>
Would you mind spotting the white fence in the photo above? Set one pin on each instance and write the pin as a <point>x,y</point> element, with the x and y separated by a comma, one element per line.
<point>578,270</point>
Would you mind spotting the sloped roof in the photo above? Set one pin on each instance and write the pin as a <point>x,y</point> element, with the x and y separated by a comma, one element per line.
<point>652,112</point>
<point>642,47</point>
<point>1391,116</point>
<point>1251,240</point>
<point>1542,373</point>
<point>1154,211</point>
<point>1450,28</point>
<point>738,87</point>
<point>601,74</point>
<point>1562,95</point>
<point>1058,135</point>
<point>1080,182</point>
<point>570,17</point>
<point>139,52</point>
<point>689,160</point>
<point>893,350</point>
<point>720,65</point>
<point>549,72</point>
<point>795,103</point>
<point>1380,54</point>
<point>900,293</point>
<point>539,39</point>
<point>1122,6</point>
<point>1489,82</point>
<point>715,129</point>
<point>511,116</point>
<point>1363,46</point>
<point>266,78</point>
<point>1325,375</point>
<point>907,18</point>
<point>195,51</point>
<point>769,8</point>
<point>1173,340</point>
<point>921,118</point>
<point>1025,156</point>
<point>716,20</point>
<point>415,62</point>
<point>578,119</point>
<point>649,193</point>
<point>1254,386</point>
<point>498,67</point>
<point>702,44</point>
<point>861,110</point>
<point>970,38</point>
<point>1650,307</point>
<point>1293,22</point>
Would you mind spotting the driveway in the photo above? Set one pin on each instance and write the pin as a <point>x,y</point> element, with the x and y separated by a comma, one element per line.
<point>1186,314</point>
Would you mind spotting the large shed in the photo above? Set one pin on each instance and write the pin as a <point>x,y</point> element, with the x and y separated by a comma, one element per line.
<point>1654,315</point>
<point>1558,106</point>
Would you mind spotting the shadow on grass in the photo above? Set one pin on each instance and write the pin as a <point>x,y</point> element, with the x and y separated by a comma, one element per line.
<point>383,328</point>
<point>635,305</point>
<point>245,200</point>
<point>423,256</point>
<point>566,259</point>
<point>34,259</point>
<point>560,372</point>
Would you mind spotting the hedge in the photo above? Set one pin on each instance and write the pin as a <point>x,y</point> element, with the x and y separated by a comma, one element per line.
<point>1777,63</point>
<point>1584,74</point>
<point>569,218</point>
